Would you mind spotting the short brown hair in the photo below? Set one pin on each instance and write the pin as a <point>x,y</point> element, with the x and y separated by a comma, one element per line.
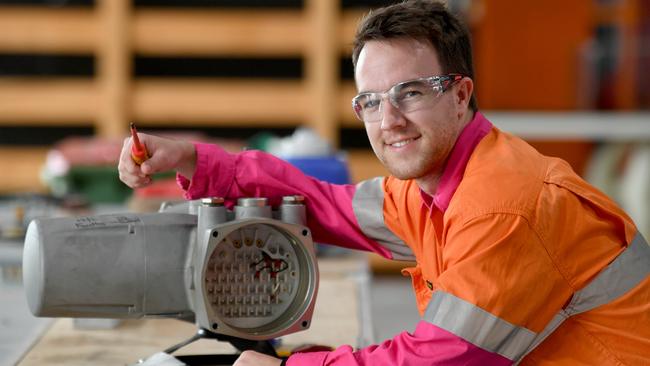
<point>422,20</point>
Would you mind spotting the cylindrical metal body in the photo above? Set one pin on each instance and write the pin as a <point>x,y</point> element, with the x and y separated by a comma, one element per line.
<point>211,212</point>
<point>122,265</point>
<point>252,207</point>
<point>253,277</point>
<point>293,210</point>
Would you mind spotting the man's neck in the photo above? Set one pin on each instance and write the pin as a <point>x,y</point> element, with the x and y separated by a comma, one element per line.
<point>429,182</point>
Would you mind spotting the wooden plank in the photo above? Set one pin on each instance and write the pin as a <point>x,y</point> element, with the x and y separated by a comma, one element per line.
<point>68,101</point>
<point>114,67</point>
<point>349,23</point>
<point>41,30</point>
<point>214,32</point>
<point>167,31</point>
<point>348,27</point>
<point>56,102</point>
<point>346,115</point>
<point>22,166</point>
<point>322,67</point>
<point>211,102</point>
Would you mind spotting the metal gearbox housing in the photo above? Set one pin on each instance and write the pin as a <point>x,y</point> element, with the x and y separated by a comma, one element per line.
<point>250,272</point>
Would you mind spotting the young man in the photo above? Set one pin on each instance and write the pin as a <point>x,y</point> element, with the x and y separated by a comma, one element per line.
<point>518,259</point>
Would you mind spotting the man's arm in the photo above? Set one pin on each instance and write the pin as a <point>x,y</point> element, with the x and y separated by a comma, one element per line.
<point>206,170</point>
<point>330,213</point>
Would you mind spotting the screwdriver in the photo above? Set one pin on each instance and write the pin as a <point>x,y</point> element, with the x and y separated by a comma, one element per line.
<point>138,151</point>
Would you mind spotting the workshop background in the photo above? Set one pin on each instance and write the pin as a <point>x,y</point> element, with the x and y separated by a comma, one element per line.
<point>571,77</point>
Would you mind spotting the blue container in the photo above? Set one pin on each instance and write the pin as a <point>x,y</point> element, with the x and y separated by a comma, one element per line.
<point>332,169</point>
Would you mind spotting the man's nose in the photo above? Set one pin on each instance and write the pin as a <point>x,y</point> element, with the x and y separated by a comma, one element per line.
<point>391,117</point>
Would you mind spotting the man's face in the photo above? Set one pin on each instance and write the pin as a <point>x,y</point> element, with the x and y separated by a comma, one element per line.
<point>411,145</point>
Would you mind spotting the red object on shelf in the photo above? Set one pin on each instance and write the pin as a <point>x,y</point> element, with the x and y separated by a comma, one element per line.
<point>160,189</point>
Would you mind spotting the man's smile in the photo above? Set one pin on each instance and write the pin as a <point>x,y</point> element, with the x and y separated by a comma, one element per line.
<point>401,142</point>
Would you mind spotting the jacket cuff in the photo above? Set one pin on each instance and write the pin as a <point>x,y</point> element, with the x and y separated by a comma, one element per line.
<point>213,175</point>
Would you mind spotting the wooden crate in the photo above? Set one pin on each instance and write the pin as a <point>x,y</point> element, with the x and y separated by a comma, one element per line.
<point>113,31</point>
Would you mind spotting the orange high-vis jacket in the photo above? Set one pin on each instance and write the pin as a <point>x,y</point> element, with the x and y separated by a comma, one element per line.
<point>522,236</point>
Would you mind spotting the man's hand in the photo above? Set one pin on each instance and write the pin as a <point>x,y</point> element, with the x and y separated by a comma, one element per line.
<point>164,155</point>
<point>252,358</point>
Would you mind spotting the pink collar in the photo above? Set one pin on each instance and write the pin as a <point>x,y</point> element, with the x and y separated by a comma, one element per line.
<point>453,173</point>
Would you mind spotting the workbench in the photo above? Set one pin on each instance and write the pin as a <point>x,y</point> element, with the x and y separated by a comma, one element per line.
<point>341,317</point>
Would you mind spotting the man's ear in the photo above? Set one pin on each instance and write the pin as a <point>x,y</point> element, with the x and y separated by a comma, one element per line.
<point>463,94</point>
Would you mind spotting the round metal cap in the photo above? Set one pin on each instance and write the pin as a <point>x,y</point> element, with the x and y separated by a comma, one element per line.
<point>252,202</point>
<point>293,200</point>
<point>212,201</point>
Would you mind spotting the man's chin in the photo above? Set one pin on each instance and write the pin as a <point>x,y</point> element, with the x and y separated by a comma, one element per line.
<point>399,169</point>
<point>400,172</point>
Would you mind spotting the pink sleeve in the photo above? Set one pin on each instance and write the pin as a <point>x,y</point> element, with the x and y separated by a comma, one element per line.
<point>428,345</point>
<point>257,174</point>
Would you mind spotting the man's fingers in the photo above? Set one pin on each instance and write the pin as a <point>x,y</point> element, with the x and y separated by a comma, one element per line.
<point>134,181</point>
<point>146,168</point>
<point>129,172</point>
<point>252,358</point>
<point>159,158</point>
<point>126,165</point>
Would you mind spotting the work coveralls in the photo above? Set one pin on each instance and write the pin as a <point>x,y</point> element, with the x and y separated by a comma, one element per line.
<point>518,259</point>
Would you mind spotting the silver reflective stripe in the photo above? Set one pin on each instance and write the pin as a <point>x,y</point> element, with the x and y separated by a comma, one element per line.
<point>368,206</point>
<point>619,277</point>
<point>557,320</point>
<point>477,326</point>
<point>622,275</point>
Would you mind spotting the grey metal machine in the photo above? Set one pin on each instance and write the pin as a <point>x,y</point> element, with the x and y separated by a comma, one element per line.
<point>248,273</point>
